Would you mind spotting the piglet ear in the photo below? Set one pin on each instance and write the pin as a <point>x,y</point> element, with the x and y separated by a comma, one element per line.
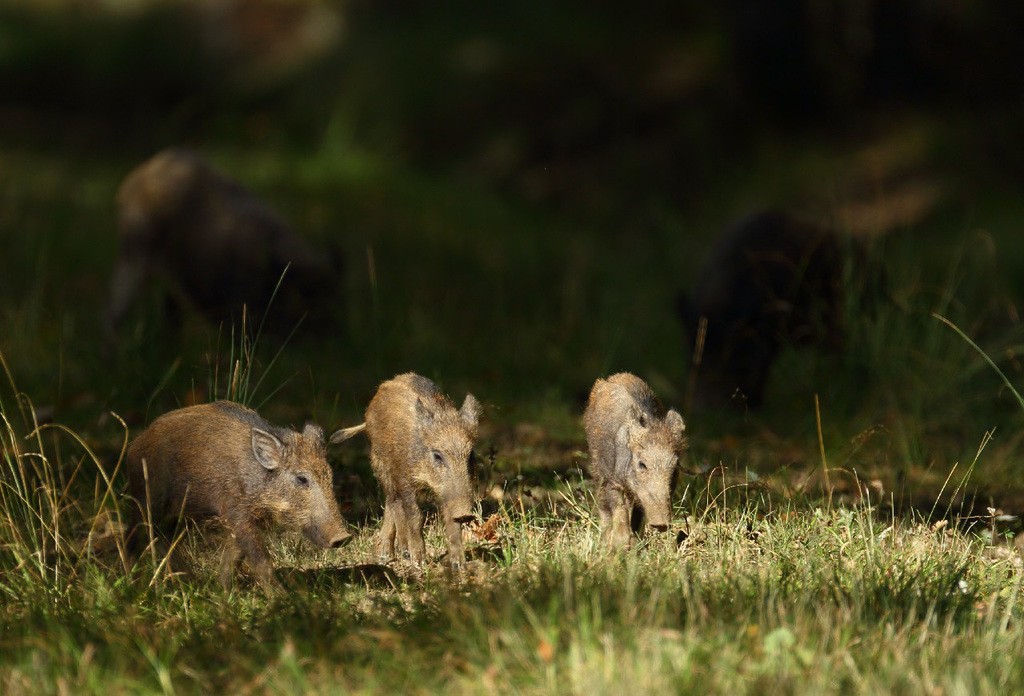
<point>423,412</point>
<point>471,410</point>
<point>269,451</point>
<point>675,424</point>
<point>634,428</point>
<point>313,432</point>
<point>636,419</point>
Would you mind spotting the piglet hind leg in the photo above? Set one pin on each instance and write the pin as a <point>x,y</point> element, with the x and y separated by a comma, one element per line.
<point>229,562</point>
<point>388,531</point>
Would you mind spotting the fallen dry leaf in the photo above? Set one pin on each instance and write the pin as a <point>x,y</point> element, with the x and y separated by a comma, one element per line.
<point>486,531</point>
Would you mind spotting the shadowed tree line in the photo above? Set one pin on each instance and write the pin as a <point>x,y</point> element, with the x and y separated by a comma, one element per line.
<point>505,90</point>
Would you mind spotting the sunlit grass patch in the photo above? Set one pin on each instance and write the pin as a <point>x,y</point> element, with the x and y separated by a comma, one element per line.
<point>751,597</point>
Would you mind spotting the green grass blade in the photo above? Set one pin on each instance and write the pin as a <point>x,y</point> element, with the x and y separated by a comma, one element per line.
<point>983,354</point>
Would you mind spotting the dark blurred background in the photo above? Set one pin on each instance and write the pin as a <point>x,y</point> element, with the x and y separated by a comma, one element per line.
<point>570,106</point>
<point>520,190</point>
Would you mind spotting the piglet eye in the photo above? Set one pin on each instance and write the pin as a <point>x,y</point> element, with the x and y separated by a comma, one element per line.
<point>438,459</point>
<point>641,466</point>
<point>302,479</point>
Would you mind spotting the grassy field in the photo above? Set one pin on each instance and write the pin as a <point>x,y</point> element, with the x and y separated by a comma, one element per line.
<point>856,535</point>
<point>895,570</point>
<point>751,593</point>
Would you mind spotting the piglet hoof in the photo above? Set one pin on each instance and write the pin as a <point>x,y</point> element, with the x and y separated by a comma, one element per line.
<point>455,571</point>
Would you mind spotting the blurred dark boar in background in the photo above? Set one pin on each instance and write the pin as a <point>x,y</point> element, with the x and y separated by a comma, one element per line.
<point>223,460</point>
<point>419,441</point>
<point>770,280</point>
<point>634,452</point>
<point>215,244</point>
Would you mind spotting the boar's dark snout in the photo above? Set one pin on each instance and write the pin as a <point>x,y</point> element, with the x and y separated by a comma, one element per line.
<point>328,538</point>
<point>658,514</point>
<point>657,519</point>
<point>461,509</point>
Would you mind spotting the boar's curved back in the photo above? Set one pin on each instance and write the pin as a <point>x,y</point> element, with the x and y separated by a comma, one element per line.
<point>154,194</point>
<point>250,418</point>
<point>764,257</point>
<point>770,280</point>
<point>217,244</point>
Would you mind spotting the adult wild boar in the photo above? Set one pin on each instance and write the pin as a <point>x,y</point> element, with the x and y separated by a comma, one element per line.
<point>420,442</point>
<point>634,453</point>
<point>770,280</point>
<point>223,460</point>
<point>214,243</point>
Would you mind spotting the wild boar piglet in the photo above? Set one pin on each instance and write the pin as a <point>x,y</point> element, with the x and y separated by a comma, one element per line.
<point>420,442</point>
<point>634,453</point>
<point>223,460</point>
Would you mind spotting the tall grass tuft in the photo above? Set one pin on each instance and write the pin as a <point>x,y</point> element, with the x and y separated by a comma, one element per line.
<point>237,379</point>
<point>42,515</point>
